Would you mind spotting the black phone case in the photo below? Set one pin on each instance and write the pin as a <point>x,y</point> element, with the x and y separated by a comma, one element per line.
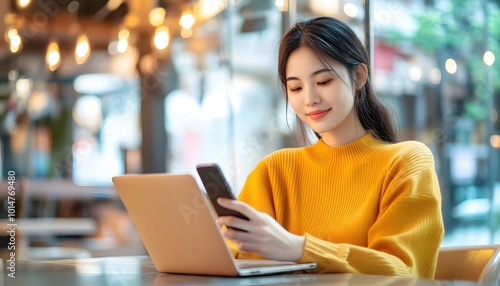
<point>217,186</point>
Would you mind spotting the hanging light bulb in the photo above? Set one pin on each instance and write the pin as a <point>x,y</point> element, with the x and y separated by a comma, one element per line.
<point>161,37</point>
<point>53,56</point>
<point>23,3</point>
<point>14,40</point>
<point>82,50</point>
<point>122,45</point>
<point>157,16</point>
<point>187,20</point>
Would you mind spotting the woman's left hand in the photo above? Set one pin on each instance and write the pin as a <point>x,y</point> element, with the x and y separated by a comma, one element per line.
<point>264,235</point>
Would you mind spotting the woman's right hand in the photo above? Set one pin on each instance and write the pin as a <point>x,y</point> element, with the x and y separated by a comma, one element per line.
<point>263,234</point>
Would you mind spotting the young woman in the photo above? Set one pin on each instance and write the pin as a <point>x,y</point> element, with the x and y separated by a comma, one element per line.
<point>356,200</point>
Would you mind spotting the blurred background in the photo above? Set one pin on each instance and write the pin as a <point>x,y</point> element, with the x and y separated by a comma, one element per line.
<point>94,89</point>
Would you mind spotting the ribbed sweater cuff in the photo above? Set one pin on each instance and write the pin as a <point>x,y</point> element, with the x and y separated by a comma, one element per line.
<point>314,250</point>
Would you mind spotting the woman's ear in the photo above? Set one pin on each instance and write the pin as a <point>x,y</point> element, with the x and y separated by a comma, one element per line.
<point>361,75</point>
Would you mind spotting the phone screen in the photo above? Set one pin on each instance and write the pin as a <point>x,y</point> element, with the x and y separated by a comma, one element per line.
<point>216,186</point>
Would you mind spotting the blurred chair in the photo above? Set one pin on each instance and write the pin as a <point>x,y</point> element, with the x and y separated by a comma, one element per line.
<point>472,263</point>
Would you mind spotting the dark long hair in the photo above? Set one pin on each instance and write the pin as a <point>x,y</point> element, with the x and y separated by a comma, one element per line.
<point>333,41</point>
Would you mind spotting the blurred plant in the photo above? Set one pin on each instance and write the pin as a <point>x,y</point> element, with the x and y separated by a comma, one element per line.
<point>467,29</point>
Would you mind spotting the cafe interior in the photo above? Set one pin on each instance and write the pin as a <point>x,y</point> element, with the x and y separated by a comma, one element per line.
<point>91,89</point>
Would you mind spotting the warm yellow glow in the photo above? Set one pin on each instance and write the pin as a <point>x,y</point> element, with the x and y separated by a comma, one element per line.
<point>123,34</point>
<point>450,66</point>
<point>186,33</point>
<point>16,44</point>
<point>53,57</point>
<point>23,3</point>
<point>157,16</point>
<point>112,5</point>
<point>495,141</point>
<point>210,8</point>
<point>350,10</point>
<point>82,50</point>
<point>282,5</point>
<point>187,20</point>
<point>489,58</point>
<point>161,38</point>
<point>12,32</point>
<point>14,40</point>
<point>122,46</point>
<point>435,76</point>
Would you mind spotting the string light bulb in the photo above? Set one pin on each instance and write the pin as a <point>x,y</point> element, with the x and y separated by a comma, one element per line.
<point>53,56</point>
<point>187,20</point>
<point>156,16</point>
<point>14,39</point>
<point>122,45</point>
<point>82,49</point>
<point>161,38</point>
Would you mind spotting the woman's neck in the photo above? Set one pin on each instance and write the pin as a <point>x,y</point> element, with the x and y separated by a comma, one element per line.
<point>348,131</point>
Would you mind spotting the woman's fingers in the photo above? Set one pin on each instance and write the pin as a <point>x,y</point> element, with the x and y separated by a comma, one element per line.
<point>238,206</point>
<point>231,221</point>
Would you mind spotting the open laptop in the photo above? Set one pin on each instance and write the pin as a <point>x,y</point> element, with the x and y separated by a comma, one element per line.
<point>177,225</point>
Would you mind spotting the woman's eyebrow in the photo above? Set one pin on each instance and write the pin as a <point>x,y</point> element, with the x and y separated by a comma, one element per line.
<point>313,74</point>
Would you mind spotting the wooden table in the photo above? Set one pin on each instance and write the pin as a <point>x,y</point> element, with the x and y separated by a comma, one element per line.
<point>138,270</point>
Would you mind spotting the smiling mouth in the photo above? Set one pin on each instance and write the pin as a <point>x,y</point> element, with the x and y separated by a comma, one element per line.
<point>316,115</point>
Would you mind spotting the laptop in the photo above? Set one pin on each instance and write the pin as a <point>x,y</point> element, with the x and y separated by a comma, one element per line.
<point>177,225</point>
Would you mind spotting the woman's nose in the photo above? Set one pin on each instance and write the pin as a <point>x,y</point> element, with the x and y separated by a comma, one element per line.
<point>311,97</point>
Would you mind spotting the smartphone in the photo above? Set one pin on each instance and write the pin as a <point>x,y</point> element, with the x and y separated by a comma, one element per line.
<point>217,186</point>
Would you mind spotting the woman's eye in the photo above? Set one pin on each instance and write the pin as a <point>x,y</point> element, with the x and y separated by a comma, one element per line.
<point>324,82</point>
<point>295,89</point>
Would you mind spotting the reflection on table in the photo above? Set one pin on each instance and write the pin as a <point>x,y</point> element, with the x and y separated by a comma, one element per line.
<point>139,270</point>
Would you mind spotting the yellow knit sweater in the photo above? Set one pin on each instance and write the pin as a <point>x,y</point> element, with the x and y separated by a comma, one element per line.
<point>368,207</point>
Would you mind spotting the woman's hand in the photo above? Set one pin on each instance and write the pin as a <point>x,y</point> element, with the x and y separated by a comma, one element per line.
<point>264,235</point>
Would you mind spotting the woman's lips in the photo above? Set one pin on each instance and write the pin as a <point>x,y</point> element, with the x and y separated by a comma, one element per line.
<point>318,114</point>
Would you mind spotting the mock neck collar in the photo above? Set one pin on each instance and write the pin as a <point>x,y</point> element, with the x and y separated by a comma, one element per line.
<point>356,151</point>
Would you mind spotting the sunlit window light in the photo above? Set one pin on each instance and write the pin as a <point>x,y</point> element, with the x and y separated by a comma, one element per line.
<point>23,88</point>
<point>157,16</point>
<point>161,37</point>
<point>450,66</point>
<point>210,8</point>
<point>435,76</point>
<point>88,112</point>
<point>415,73</point>
<point>322,7</point>
<point>23,3</point>
<point>282,5</point>
<point>350,10</point>
<point>489,58</point>
<point>495,141</point>
<point>187,20</point>
<point>53,56</point>
<point>82,50</point>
